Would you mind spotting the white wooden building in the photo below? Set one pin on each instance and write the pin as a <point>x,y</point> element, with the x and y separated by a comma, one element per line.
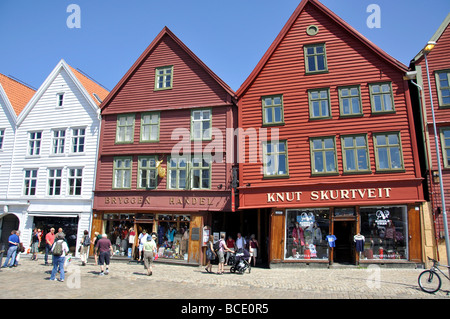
<point>13,98</point>
<point>54,160</point>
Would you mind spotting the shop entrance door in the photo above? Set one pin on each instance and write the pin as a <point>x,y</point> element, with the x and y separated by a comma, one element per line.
<point>344,252</point>
<point>139,227</point>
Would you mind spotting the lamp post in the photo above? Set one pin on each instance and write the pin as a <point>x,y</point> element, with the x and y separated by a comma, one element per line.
<point>430,46</point>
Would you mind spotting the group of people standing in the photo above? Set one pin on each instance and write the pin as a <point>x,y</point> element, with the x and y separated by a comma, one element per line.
<point>225,250</point>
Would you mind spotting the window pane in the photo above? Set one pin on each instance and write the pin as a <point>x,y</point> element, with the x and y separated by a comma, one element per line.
<point>355,105</point>
<point>320,62</point>
<point>362,159</point>
<point>383,158</point>
<point>329,143</point>
<point>282,164</point>
<point>311,64</point>
<point>350,160</point>
<point>330,161</point>
<point>277,111</point>
<point>381,140</point>
<point>318,162</point>
<point>395,157</point>
<point>360,141</point>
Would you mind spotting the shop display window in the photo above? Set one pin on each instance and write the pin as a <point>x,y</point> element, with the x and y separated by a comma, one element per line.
<point>306,230</point>
<point>173,236</point>
<point>385,231</point>
<point>118,228</point>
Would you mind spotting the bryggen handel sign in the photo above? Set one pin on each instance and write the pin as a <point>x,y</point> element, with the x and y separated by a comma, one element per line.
<point>329,195</point>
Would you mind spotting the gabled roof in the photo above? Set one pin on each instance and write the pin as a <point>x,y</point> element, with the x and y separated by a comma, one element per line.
<point>87,87</point>
<point>91,86</point>
<point>395,63</point>
<point>165,31</point>
<point>17,93</point>
<point>436,36</point>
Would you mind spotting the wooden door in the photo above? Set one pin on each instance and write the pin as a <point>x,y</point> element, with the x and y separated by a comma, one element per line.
<point>277,234</point>
<point>196,239</point>
<point>97,226</point>
<point>414,234</point>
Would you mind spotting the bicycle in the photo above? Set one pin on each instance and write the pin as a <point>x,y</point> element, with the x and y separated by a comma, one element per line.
<point>429,280</point>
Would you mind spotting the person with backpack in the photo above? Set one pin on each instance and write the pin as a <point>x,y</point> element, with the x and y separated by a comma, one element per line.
<point>59,251</point>
<point>84,248</point>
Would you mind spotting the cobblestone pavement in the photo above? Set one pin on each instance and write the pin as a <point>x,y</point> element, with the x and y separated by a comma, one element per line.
<point>129,281</point>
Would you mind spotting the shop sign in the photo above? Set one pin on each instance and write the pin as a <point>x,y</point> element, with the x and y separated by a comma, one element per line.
<point>306,219</point>
<point>190,201</point>
<point>330,195</point>
<point>127,200</point>
<point>382,217</point>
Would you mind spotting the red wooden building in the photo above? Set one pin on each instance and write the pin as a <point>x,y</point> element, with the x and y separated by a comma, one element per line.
<point>328,146</point>
<point>439,74</point>
<point>162,155</point>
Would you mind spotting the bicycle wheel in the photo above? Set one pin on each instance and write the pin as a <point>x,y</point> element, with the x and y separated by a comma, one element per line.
<point>429,281</point>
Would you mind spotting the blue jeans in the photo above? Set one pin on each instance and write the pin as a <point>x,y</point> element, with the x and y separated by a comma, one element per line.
<point>11,255</point>
<point>48,248</point>
<point>58,262</point>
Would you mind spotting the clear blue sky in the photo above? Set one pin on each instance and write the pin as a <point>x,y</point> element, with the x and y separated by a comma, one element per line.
<point>230,36</point>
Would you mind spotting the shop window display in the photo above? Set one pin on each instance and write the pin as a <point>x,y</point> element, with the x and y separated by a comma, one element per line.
<point>118,228</point>
<point>385,232</point>
<point>306,230</point>
<point>173,236</point>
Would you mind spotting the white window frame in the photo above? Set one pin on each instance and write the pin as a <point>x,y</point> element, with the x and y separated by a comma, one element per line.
<point>72,180</point>
<point>76,140</point>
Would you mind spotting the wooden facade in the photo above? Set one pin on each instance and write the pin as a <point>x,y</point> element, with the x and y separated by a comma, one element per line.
<point>172,86</point>
<point>308,73</point>
<point>439,74</point>
<point>53,163</point>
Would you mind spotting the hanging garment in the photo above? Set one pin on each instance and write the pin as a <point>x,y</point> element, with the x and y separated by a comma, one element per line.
<point>359,240</point>
<point>331,239</point>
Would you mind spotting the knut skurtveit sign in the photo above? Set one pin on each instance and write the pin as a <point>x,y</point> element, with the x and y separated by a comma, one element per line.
<point>330,195</point>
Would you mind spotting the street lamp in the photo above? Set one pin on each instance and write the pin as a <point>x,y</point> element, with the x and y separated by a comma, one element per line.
<point>430,46</point>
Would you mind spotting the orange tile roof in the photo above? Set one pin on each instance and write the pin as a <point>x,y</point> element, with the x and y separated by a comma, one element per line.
<point>90,86</point>
<point>18,94</point>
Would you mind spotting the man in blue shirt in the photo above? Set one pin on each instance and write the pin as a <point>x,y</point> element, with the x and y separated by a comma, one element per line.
<point>13,242</point>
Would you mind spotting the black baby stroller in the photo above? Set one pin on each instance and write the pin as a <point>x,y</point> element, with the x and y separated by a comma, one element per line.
<point>240,264</point>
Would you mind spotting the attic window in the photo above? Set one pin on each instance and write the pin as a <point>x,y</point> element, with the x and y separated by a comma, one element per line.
<point>312,30</point>
<point>164,77</point>
<point>59,100</point>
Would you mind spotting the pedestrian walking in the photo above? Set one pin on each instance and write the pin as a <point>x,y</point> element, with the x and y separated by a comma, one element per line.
<point>20,249</point>
<point>143,237</point>
<point>222,248</point>
<point>149,252</point>
<point>84,248</point>
<point>253,249</point>
<point>210,253</point>
<point>105,250</point>
<point>13,243</point>
<point>49,240</point>
<point>59,251</point>
<point>97,236</point>
<point>35,243</point>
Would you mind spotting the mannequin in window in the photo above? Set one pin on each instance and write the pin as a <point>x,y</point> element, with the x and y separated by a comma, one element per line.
<point>317,234</point>
<point>299,239</point>
<point>390,235</point>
